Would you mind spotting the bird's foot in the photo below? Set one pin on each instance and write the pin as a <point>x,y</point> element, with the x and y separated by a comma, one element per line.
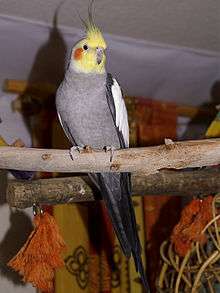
<point>87,149</point>
<point>110,149</point>
<point>169,144</point>
<point>75,149</point>
<point>80,149</point>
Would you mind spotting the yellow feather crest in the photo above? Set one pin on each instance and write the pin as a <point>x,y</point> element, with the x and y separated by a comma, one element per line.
<point>93,34</point>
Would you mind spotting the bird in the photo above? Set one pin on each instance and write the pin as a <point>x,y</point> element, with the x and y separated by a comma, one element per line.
<point>92,112</point>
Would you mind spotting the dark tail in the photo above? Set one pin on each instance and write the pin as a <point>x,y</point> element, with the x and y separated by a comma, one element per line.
<point>116,192</point>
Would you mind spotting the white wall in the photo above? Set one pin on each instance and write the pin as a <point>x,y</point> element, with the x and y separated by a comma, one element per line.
<point>191,23</point>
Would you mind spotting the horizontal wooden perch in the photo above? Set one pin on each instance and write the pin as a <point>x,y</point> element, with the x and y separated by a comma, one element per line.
<point>149,160</point>
<point>23,194</point>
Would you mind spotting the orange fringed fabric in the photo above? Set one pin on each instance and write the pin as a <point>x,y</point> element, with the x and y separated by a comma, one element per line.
<point>41,254</point>
<point>194,217</point>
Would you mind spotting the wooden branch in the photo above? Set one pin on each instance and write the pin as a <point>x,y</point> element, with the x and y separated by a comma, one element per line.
<point>23,194</point>
<point>21,86</point>
<point>149,160</point>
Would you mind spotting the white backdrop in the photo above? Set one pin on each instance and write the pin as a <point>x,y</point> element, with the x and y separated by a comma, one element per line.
<point>193,24</point>
<point>37,52</point>
<point>143,68</point>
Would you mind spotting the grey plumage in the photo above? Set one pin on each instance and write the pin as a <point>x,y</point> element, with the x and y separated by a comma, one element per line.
<point>88,113</point>
<point>82,106</point>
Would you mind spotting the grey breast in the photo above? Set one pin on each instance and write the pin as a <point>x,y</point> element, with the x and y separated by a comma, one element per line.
<point>82,105</point>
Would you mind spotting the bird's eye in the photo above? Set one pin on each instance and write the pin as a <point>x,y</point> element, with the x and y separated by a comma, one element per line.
<point>85,47</point>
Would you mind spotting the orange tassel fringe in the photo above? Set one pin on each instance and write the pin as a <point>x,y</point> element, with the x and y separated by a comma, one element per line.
<point>41,254</point>
<point>194,218</point>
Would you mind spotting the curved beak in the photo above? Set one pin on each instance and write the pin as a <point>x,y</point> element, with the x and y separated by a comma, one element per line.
<point>99,55</point>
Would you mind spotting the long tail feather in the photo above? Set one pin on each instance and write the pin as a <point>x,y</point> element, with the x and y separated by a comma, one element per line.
<point>110,195</point>
<point>116,192</point>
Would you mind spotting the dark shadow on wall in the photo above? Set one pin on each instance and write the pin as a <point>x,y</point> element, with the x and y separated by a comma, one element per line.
<point>48,68</point>
<point>197,127</point>
<point>215,92</point>
<point>49,64</point>
<point>17,234</point>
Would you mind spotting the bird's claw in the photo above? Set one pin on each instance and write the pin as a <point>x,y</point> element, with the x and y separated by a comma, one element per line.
<point>79,149</point>
<point>110,149</point>
<point>169,144</point>
<point>73,150</point>
<point>87,149</point>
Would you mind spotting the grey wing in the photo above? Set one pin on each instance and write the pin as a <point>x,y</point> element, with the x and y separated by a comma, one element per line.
<point>119,114</point>
<point>118,110</point>
<point>63,123</point>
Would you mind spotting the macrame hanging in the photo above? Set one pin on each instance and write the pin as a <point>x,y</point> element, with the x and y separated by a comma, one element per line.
<point>41,254</point>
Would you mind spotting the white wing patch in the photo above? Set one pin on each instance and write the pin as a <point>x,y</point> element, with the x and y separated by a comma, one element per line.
<point>121,111</point>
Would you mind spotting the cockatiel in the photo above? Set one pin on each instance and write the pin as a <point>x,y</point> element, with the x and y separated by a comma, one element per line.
<point>92,112</point>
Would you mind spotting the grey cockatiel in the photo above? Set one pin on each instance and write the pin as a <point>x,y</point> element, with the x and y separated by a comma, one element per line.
<point>92,112</point>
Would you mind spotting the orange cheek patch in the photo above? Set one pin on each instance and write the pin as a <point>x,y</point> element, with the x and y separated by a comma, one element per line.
<point>78,54</point>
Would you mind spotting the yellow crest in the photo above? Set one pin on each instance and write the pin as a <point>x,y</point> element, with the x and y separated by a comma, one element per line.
<point>94,37</point>
<point>93,34</point>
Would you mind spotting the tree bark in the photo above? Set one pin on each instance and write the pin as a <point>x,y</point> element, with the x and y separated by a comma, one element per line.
<point>23,194</point>
<point>149,160</point>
